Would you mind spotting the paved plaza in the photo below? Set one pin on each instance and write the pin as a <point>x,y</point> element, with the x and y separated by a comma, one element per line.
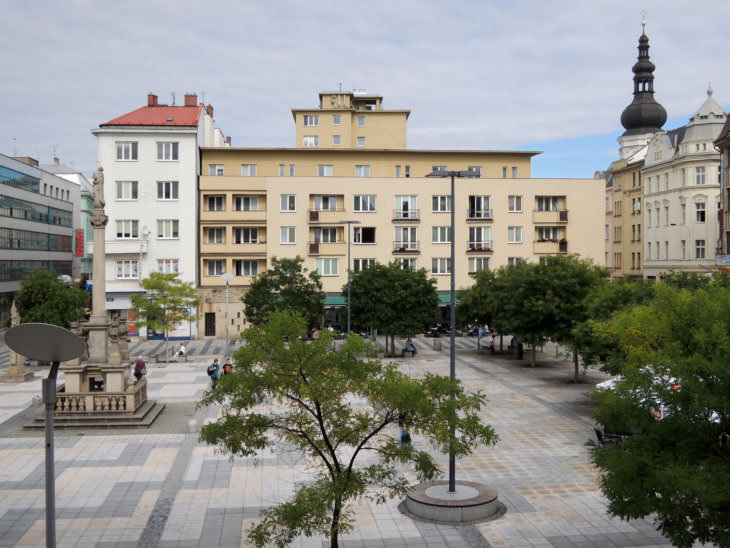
<point>162,487</point>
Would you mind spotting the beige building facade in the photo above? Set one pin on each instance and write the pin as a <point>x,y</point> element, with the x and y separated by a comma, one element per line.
<point>256,204</point>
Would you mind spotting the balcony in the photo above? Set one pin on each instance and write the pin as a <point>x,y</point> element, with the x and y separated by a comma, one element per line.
<point>550,246</point>
<point>550,217</point>
<point>328,216</point>
<point>326,248</point>
<point>120,247</point>
<point>473,214</point>
<point>406,214</point>
<point>480,247</point>
<point>405,247</point>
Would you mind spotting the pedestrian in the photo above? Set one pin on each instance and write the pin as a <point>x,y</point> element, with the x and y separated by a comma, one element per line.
<point>491,345</point>
<point>227,367</point>
<point>140,369</point>
<point>405,436</point>
<point>180,351</point>
<point>214,372</point>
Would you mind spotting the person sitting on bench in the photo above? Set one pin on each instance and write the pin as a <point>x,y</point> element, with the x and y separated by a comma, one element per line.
<point>410,347</point>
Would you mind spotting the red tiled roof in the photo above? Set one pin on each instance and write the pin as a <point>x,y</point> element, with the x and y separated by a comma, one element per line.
<point>159,116</point>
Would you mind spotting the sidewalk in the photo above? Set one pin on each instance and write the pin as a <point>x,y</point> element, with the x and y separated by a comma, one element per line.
<point>162,487</point>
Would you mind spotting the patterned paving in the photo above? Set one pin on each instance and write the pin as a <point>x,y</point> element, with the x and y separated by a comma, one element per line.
<point>162,487</point>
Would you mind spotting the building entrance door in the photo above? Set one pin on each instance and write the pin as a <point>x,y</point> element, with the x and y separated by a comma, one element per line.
<point>210,324</point>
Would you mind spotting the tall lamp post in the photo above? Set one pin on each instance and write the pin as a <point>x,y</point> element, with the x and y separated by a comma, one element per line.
<point>452,304</point>
<point>227,277</point>
<point>348,223</point>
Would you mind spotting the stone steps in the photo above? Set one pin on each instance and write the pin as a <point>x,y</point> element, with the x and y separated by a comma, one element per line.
<point>142,418</point>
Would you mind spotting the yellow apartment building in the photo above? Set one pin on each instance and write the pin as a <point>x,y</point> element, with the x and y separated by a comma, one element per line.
<point>259,203</point>
<point>626,227</point>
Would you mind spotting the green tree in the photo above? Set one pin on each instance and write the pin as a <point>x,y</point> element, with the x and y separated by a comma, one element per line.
<point>314,390</point>
<point>167,301</point>
<point>674,357</point>
<point>45,298</point>
<point>392,299</point>
<point>285,286</point>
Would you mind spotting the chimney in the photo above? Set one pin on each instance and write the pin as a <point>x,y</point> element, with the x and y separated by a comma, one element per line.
<point>209,110</point>
<point>151,100</point>
<point>228,140</point>
<point>191,100</point>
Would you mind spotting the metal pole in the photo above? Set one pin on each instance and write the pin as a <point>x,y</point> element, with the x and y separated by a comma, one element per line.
<point>49,399</point>
<point>452,350</point>
<point>348,278</point>
<point>227,320</point>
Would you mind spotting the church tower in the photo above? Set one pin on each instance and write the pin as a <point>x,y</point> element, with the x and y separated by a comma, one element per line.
<point>644,116</point>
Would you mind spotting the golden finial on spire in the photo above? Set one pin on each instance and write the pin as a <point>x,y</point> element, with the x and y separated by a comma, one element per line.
<point>643,19</point>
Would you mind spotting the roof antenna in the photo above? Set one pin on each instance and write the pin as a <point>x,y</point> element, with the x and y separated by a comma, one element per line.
<point>173,98</point>
<point>203,94</point>
<point>340,84</point>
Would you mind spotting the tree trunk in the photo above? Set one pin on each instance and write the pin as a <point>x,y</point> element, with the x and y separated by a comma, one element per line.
<point>533,361</point>
<point>575,363</point>
<point>501,343</point>
<point>335,526</point>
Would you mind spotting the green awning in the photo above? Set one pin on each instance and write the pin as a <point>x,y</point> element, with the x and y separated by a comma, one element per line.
<point>334,299</point>
<point>445,297</point>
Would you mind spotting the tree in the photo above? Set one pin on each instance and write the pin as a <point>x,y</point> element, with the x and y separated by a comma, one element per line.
<point>673,356</point>
<point>314,390</point>
<point>285,286</point>
<point>167,302</point>
<point>45,298</point>
<point>392,299</point>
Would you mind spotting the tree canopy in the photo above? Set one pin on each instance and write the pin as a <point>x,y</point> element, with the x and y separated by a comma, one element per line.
<point>336,409</point>
<point>672,353</point>
<point>392,299</point>
<point>44,298</point>
<point>285,286</point>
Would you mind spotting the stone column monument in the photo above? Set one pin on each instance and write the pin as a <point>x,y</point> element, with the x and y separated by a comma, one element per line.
<point>98,325</point>
<point>16,371</point>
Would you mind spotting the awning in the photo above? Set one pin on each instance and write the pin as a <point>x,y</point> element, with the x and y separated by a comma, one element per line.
<point>334,299</point>
<point>445,297</point>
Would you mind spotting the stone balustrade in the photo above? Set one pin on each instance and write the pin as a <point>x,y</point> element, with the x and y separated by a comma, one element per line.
<point>125,403</point>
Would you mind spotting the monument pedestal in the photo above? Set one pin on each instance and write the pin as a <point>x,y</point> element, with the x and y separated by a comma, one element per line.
<point>470,502</point>
<point>17,373</point>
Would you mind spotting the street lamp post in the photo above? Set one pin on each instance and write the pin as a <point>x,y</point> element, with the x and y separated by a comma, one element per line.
<point>227,277</point>
<point>452,304</point>
<point>348,223</point>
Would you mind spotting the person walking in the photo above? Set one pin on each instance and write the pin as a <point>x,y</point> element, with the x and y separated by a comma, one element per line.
<point>214,372</point>
<point>140,369</point>
<point>227,367</point>
<point>405,437</point>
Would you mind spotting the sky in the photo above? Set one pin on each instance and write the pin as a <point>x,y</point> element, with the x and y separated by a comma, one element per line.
<point>476,74</point>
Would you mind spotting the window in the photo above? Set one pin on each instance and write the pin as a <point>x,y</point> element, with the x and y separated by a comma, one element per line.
<point>336,139</point>
<point>361,141</point>
<point>288,235</point>
<point>127,229</point>
<point>699,249</point>
<point>362,264</point>
<point>441,234</point>
<point>325,235</point>
<point>336,120</point>
<point>363,234</point>
<point>648,249</point>
<point>666,249</point>
<point>682,247</point>
<point>514,173</point>
<point>324,170</point>
<point>408,171</point>
<point>477,264</point>
<point>504,172</point>
<point>214,267</point>
<point>408,263</point>
<point>127,190</point>
<point>406,207</point>
<point>311,120</point>
<point>700,212</point>
<point>617,234</point>
<point>479,207</point>
<point>167,190</point>
<point>364,202</point>
<point>245,267</point>
<point>406,238</point>
<point>167,229</point>
<point>656,250</point>
<point>441,204</point>
<point>607,235</point>
<point>514,204</point>
<point>666,215</point>
<point>282,170</point>
<point>648,217</point>
<point>514,234</point>
<point>168,266</point>
<point>328,266</point>
<point>310,140</point>
<point>215,203</point>
<point>245,235</point>
<point>440,265</point>
<point>362,171</point>
<point>288,202</point>
<point>167,151</point>
<point>127,270</point>
<point>248,170</point>
<point>548,203</point>
<point>215,170</point>
<point>397,171</point>
<point>548,233</point>
<point>126,150</point>
<point>245,203</point>
<point>638,233</point>
<point>480,237</point>
<point>361,121</point>
<point>325,203</point>
<point>700,175</point>
<point>515,260</point>
<point>476,171</point>
<point>291,170</point>
<point>215,235</point>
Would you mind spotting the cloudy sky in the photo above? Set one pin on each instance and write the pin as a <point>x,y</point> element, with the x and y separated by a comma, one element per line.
<point>482,74</point>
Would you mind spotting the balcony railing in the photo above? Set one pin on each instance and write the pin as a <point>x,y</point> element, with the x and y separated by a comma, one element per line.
<point>326,248</point>
<point>484,246</point>
<point>477,214</point>
<point>406,214</point>
<point>552,245</point>
<point>559,216</point>
<point>326,215</point>
<point>405,247</point>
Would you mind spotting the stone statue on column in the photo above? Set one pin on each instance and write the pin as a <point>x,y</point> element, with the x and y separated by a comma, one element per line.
<point>16,370</point>
<point>98,182</point>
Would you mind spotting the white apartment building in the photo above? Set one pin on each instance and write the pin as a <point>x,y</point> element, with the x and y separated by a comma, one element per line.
<point>682,195</point>
<point>150,158</point>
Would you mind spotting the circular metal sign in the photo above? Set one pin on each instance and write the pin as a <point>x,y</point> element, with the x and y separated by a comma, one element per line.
<point>44,342</point>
